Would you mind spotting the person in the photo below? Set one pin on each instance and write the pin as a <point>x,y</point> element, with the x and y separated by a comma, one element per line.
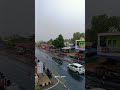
<point>40,67</point>
<point>49,74</point>
<point>40,71</point>
<point>43,66</point>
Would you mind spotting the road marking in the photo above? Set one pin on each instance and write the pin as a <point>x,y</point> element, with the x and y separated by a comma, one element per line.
<point>55,84</point>
<point>58,81</point>
<point>65,86</point>
<point>64,68</point>
<point>60,76</point>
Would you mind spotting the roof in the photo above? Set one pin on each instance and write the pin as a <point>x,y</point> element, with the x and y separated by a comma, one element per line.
<point>66,48</point>
<point>77,64</point>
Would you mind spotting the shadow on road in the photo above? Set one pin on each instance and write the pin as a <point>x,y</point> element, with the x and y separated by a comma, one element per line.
<point>75,76</point>
<point>59,62</point>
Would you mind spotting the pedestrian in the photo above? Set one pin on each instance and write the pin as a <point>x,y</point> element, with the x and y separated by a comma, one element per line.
<point>49,74</point>
<point>43,66</point>
<point>40,71</point>
<point>40,67</point>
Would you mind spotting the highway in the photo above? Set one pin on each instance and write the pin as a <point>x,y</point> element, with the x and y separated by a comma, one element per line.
<point>59,68</point>
<point>17,72</point>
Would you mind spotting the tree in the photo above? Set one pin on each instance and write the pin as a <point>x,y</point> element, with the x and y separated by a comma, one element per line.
<point>102,24</point>
<point>32,38</point>
<point>50,41</point>
<point>77,36</point>
<point>58,42</point>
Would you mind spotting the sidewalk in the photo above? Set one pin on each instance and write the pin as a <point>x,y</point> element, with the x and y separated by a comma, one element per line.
<point>45,81</point>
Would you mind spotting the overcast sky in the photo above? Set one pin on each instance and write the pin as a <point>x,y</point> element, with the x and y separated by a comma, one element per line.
<point>54,17</point>
<point>98,7</point>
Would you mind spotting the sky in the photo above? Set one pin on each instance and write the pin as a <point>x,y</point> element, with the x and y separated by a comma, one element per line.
<point>16,17</point>
<point>99,7</point>
<point>54,17</point>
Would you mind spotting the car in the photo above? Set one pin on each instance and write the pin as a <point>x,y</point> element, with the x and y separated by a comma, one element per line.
<point>77,68</point>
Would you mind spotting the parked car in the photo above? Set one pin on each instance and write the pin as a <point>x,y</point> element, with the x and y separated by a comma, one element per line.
<point>77,68</point>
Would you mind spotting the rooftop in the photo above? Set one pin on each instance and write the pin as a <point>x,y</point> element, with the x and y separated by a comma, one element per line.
<point>77,64</point>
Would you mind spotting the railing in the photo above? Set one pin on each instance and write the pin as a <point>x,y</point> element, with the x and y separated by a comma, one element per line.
<point>108,50</point>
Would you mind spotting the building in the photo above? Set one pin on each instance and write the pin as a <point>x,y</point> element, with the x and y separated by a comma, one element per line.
<point>108,54</point>
<point>80,44</point>
<point>108,44</point>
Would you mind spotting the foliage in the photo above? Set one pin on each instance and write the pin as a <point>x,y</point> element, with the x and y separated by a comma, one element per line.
<point>77,36</point>
<point>101,24</point>
<point>32,37</point>
<point>38,43</point>
<point>58,42</point>
<point>50,41</point>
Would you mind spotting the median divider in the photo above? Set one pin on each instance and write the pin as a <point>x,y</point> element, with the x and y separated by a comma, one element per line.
<point>61,58</point>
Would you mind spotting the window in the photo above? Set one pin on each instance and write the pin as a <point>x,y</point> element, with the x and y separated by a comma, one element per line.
<point>75,66</point>
<point>114,43</point>
<point>109,42</point>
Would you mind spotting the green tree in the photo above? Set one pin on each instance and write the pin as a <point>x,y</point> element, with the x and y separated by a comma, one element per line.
<point>50,41</point>
<point>77,36</point>
<point>101,24</point>
<point>59,41</point>
<point>32,38</point>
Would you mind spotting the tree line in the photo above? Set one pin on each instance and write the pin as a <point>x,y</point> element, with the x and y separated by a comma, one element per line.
<point>101,24</point>
<point>59,41</point>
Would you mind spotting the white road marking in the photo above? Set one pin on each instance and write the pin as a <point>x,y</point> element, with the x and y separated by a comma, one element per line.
<point>60,76</point>
<point>55,84</point>
<point>64,68</point>
<point>58,81</point>
<point>65,86</point>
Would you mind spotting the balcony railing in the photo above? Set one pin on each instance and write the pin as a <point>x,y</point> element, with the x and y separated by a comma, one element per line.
<point>108,50</point>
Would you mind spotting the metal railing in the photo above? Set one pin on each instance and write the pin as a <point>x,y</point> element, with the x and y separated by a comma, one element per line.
<point>108,50</point>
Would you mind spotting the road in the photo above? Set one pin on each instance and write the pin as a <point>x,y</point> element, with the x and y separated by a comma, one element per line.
<point>17,72</point>
<point>69,80</point>
<point>90,79</point>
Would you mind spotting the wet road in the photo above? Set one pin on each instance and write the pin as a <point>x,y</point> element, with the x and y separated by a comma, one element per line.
<point>17,72</point>
<point>71,80</point>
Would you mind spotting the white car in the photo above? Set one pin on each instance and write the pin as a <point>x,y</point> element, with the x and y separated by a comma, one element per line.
<point>77,68</point>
